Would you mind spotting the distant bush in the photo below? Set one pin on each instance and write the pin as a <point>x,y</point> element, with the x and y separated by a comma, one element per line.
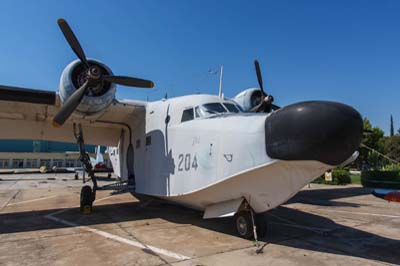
<point>342,176</point>
<point>339,177</point>
<point>381,179</point>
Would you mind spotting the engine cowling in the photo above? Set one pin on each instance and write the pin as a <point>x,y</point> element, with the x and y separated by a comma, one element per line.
<point>248,98</point>
<point>97,98</point>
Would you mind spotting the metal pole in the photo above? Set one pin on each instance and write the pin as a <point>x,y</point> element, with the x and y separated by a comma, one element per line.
<point>221,68</point>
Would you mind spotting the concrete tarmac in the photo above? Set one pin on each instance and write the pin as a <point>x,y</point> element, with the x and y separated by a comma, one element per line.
<point>40,224</point>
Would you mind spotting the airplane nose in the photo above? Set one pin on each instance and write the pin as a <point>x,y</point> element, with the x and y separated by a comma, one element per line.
<point>328,132</point>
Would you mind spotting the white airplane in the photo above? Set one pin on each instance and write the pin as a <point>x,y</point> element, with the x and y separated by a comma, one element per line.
<point>228,157</point>
<point>97,163</point>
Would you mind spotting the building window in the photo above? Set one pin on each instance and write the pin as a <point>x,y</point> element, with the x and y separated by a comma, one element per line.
<point>69,163</point>
<point>45,162</point>
<point>17,163</point>
<point>31,163</point>
<point>4,163</point>
<point>58,162</point>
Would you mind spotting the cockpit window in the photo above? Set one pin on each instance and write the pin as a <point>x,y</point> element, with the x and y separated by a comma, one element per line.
<point>231,107</point>
<point>212,108</point>
<point>187,115</point>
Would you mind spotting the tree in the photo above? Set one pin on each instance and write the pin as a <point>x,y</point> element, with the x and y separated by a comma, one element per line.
<point>392,147</point>
<point>373,138</point>
<point>391,126</point>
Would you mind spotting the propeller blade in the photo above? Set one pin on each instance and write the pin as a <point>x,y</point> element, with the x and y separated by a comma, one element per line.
<point>275,107</point>
<point>259,78</point>
<point>69,106</point>
<point>257,108</point>
<point>128,81</point>
<point>72,41</point>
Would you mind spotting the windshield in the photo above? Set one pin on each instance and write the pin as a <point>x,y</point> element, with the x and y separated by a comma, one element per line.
<point>231,107</point>
<point>210,109</point>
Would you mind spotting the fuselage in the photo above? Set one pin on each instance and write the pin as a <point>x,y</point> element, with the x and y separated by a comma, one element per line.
<point>201,149</point>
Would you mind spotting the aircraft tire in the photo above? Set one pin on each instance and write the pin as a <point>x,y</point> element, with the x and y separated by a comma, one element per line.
<point>86,200</point>
<point>244,225</point>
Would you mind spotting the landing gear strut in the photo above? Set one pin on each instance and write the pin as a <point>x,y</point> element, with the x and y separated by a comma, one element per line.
<point>88,195</point>
<point>246,221</point>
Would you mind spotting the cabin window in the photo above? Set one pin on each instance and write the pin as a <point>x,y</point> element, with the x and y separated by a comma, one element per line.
<point>231,107</point>
<point>187,115</point>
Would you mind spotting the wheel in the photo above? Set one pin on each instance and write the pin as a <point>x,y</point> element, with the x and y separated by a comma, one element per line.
<point>261,224</point>
<point>86,200</point>
<point>76,176</point>
<point>244,225</point>
<point>109,175</point>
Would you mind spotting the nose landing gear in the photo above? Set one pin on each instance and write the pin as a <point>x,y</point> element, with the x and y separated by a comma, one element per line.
<point>250,225</point>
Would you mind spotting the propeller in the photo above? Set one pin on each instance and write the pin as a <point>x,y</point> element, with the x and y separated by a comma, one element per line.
<point>94,76</point>
<point>266,100</point>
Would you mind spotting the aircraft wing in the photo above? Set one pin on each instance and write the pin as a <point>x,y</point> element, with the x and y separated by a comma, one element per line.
<point>27,114</point>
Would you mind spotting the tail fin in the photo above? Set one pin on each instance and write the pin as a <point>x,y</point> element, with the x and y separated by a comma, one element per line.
<point>99,156</point>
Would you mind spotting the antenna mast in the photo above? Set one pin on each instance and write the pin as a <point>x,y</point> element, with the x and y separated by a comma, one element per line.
<point>221,69</point>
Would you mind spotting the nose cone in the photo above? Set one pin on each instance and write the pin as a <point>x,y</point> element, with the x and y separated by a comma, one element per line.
<point>328,132</point>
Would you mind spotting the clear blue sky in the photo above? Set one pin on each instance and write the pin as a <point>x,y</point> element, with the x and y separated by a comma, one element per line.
<point>347,51</point>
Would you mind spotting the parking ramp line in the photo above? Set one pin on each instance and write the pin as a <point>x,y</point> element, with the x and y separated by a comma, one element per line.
<point>32,200</point>
<point>117,238</point>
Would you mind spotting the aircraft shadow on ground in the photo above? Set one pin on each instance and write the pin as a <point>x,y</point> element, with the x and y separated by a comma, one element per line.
<point>326,197</point>
<point>286,227</point>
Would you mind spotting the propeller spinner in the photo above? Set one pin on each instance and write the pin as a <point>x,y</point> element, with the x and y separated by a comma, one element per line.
<point>94,76</point>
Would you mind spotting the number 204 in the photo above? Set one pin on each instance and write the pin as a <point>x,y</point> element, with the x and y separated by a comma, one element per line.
<point>185,162</point>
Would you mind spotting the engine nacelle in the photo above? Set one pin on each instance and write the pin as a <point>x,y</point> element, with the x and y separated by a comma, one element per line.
<point>248,99</point>
<point>98,98</point>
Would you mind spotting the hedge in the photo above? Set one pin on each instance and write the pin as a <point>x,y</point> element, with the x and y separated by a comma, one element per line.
<point>381,179</point>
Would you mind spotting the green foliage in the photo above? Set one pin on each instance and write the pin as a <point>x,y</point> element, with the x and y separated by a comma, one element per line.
<point>381,175</point>
<point>339,177</point>
<point>392,167</point>
<point>381,179</point>
<point>392,147</point>
<point>342,176</point>
<point>373,139</point>
<point>386,150</point>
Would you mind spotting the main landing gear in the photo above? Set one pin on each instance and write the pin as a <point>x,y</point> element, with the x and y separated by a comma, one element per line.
<point>88,195</point>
